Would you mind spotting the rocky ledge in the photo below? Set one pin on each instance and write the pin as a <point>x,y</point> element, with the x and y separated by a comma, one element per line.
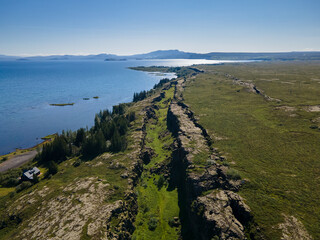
<point>214,209</point>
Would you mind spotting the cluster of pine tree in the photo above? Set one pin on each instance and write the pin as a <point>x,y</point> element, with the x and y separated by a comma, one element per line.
<point>161,83</point>
<point>57,151</point>
<point>183,71</point>
<point>107,134</point>
<point>139,96</point>
<point>144,94</point>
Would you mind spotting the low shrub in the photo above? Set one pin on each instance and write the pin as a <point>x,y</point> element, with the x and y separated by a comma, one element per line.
<point>233,174</point>
<point>10,182</point>
<point>11,195</point>
<point>152,224</point>
<point>22,186</point>
<point>35,178</point>
<point>52,168</point>
<point>77,163</point>
<point>160,182</point>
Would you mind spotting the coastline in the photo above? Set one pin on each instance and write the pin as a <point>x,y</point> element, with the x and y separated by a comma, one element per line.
<point>45,139</point>
<point>21,156</point>
<point>25,153</point>
<point>114,84</point>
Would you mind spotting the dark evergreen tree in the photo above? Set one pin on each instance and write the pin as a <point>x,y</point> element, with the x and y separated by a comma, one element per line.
<point>80,137</point>
<point>97,121</point>
<point>122,124</point>
<point>35,178</point>
<point>131,116</point>
<point>139,96</point>
<point>56,151</point>
<point>118,109</point>
<point>100,142</point>
<point>52,168</point>
<point>116,144</point>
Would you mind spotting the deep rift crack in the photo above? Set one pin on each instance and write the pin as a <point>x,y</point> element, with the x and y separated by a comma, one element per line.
<point>209,204</point>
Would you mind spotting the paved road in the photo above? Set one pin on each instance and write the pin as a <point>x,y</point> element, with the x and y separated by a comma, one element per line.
<point>17,161</point>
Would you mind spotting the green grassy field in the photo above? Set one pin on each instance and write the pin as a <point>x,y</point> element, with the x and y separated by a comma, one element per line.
<point>157,205</point>
<point>274,145</point>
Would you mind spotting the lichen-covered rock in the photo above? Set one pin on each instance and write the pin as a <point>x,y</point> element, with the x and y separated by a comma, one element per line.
<point>147,154</point>
<point>293,229</point>
<point>217,211</point>
<point>80,203</point>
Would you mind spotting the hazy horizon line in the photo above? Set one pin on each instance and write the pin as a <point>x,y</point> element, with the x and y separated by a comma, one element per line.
<point>132,54</point>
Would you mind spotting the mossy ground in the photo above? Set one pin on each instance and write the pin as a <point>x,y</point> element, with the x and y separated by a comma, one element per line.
<point>158,137</point>
<point>276,150</point>
<point>154,203</point>
<point>6,191</point>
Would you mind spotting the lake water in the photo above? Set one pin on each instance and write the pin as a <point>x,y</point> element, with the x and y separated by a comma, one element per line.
<point>27,88</point>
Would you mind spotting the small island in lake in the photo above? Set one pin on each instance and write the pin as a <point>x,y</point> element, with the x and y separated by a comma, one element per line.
<point>61,104</point>
<point>116,59</point>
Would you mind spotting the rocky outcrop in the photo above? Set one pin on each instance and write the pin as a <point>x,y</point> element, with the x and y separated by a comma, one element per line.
<point>251,88</point>
<point>222,212</point>
<point>218,210</point>
<point>146,155</point>
<point>121,222</point>
<point>65,216</point>
<point>293,229</point>
<point>124,216</point>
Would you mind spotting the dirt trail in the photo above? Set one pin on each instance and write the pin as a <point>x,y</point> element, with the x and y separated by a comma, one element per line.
<point>17,161</point>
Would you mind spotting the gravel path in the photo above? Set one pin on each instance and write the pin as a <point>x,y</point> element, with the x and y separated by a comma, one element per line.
<point>17,161</point>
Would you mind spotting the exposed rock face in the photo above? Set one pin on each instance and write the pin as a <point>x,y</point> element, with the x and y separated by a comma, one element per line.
<point>141,155</point>
<point>293,229</point>
<point>221,213</point>
<point>125,215</point>
<point>251,88</point>
<point>65,216</point>
<point>150,111</point>
<point>146,155</point>
<point>213,177</point>
<point>315,108</point>
<point>218,214</point>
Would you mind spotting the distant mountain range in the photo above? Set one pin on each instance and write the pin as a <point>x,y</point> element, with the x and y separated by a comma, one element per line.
<point>176,54</point>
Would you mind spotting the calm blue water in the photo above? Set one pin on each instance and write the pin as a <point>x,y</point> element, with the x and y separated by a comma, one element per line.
<point>27,88</point>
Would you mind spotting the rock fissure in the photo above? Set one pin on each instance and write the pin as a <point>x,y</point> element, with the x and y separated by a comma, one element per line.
<point>251,87</point>
<point>126,215</point>
<point>209,204</point>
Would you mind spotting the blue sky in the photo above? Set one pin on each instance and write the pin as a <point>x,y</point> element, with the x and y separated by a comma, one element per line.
<point>43,27</point>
